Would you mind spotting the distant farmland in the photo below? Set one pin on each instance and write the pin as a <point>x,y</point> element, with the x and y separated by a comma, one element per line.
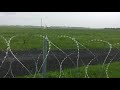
<point>70,48</point>
<point>28,38</point>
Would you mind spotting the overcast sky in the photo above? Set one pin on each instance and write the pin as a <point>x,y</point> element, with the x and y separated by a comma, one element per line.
<point>79,19</point>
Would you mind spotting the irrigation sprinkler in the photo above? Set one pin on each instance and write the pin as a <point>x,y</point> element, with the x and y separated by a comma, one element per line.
<point>45,49</point>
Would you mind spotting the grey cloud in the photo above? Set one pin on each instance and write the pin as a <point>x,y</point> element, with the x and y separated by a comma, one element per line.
<point>8,13</point>
<point>79,19</point>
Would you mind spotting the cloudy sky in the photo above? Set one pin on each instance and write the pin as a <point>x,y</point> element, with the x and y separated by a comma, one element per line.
<point>77,19</point>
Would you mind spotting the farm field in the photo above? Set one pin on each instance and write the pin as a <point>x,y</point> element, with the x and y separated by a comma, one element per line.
<point>59,44</point>
<point>28,38</point>
<point>28,44</point>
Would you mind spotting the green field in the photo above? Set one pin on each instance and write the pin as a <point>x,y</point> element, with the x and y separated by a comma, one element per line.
<point>95,71</point>
<point>28,38</point>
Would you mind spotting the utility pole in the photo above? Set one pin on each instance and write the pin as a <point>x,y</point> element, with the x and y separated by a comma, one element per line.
<point>41,22</point>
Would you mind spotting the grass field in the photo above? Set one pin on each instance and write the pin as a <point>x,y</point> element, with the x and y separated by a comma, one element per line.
<point>95,71</point>
<point>27,38</point>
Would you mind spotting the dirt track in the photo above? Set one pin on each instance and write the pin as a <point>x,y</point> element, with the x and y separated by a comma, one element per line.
<point>26,58</point>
